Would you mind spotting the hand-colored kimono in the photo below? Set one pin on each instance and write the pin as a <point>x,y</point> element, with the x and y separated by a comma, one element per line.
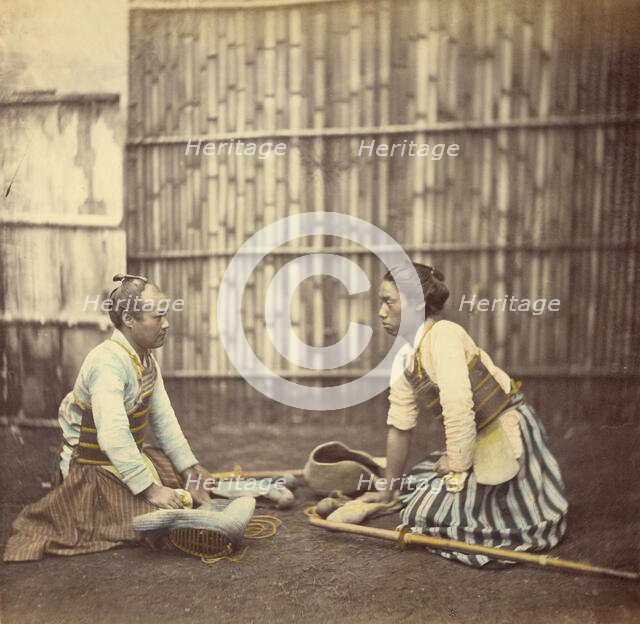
<point>526,509</point>
<point>104,463</point>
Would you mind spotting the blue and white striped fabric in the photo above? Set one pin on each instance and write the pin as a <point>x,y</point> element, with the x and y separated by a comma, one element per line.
<point>527,513</point>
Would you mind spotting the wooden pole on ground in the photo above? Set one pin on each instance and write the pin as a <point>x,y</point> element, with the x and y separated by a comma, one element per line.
<point>455,545</point>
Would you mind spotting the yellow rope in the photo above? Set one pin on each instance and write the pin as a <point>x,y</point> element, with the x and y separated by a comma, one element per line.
<point>260,527</point>
<point>211,559</point>
<point>402,544</point>
<point>311,512</point>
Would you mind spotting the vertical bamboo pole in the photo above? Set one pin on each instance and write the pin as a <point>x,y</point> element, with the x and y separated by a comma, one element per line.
<point>212,79</point>
<point>384,95</point>
<point>620,200</point>
<point>568,106</point>
<point>502,260</point>
<point>222,72</point>
<point>585,345</point>
<point>291,185</point>
<point>354,204</point>
<point>540,76</point>
<point>484,26</point>
<point>200,76</point>
<point>251,36</point>
<point>422,103</point>
<point>456,206</point>
<point>269,76</point>
<point>233,65</point>
<point>215,242</point>
<point>549,52</point>
<point>192,85</point>
<point>367,100</point>
<point>453,219</point>
<point>321,115</point>
<point>634,257</point>
<point>432,228</point>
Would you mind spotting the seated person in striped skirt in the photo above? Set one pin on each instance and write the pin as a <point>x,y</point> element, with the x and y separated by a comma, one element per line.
<point>497,483</point>
<point>108,476</point>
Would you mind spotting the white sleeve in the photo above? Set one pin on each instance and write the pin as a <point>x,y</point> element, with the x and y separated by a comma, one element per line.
<point>167,429</point>
<point>403,411</point>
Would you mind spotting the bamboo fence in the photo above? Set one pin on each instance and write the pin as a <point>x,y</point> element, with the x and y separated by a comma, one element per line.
<point>541,203</point>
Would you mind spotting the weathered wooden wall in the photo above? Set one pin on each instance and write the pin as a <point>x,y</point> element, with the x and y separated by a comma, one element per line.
<point>543,99</point>
<point>61,240</point>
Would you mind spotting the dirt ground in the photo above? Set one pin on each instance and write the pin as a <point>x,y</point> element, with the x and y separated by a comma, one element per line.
<point>305,574</point>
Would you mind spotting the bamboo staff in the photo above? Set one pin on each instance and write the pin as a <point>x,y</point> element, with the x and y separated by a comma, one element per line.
<point>454,545</point>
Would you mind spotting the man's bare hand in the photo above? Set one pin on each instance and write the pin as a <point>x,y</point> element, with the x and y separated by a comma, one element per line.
<point>163,497</point>
<point>195,479</point>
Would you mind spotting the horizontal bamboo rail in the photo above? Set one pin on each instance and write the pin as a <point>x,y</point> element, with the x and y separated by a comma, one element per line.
<point>453,247</point>
<point>444,127</point>
<point>538,373</point>
<point>34,220</point>
<point>200,5</point>
<point>35,98</point>
<point>70,320</point>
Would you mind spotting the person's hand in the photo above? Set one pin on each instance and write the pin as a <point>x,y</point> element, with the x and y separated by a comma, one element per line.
<point>198,494</point>
<point>195,479</point>
<point>383,496</point>
<point>442,466</point>
<point>163,497</point>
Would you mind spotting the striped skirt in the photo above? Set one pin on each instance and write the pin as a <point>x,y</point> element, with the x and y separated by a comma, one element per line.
<point>90,511</point>
<point>526,513</point>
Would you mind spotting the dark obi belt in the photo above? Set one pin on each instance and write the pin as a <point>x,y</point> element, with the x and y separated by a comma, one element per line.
<point>489,399</point>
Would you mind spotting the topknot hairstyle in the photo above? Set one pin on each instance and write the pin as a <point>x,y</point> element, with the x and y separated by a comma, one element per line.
<point>124,296</point>
<point>433,290</point>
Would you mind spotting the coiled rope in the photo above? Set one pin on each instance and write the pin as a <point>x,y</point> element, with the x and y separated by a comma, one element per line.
<point>260,527</point>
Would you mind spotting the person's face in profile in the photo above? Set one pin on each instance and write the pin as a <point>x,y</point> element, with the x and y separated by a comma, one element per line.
<point>149,327</point>
<point>390,308</point>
